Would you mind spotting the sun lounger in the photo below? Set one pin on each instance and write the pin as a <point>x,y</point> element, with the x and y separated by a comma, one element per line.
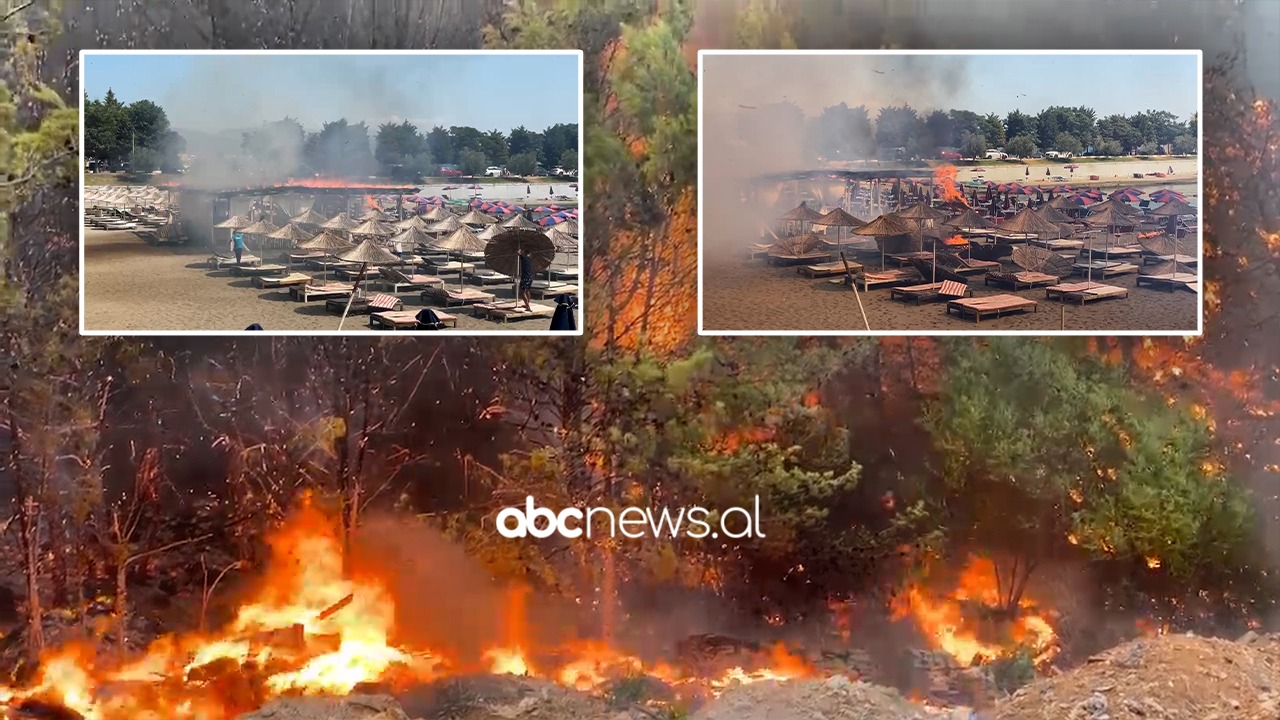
<point>508,310</point>
<point>563,273</point>
<point>485,276</point>
<point>884,278</point>
<point>255,270</point>
<point>1083,292</point>
<point>455,296</point>
<point>1151,259</point>
<point>1104,268</point>
<point>377,302</point>
<point>809,257</point>
<point>308,292</point>
<point>1019,280</point>
<point>322,263</point>
<point>218,261</point>
<point>991,305</point>
<point>453,267</point>
<point>1115,251</point>
<point>1193,287</point>
<point>548,289</point>
<point>930,291</point>
<point>282,282</point>
<point>904,259</point>
<point>1167,281</point>
<point>399,281</point>
<point>971,266</point>
<point>405,319</point>
<point>755,250</point>
<point>1058,245</point>
<point>828,269</point>
<point>305,257</point>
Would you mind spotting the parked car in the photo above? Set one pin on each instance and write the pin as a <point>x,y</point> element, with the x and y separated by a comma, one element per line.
<point>997,155</point>
<point>949,155</point>
<point>493,171</point>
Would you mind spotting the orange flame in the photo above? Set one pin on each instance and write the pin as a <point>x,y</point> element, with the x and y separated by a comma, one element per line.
<point>955,240</point>
<point>944,179</point>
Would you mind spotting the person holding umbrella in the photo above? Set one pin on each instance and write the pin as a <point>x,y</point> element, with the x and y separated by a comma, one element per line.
<point>526,278</point>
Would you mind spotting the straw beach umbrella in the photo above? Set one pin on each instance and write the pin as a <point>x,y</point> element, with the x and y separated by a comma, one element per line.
<point>921,213</point>
<point>408,239</point>
<point>235,222</point>
<point>502,253</point>
<point>460,242</point>
<point>328,243</point>
<point>1027,222</point>
<point>840,219</point>
<point>520,222</point>
<point>969,219</point>
<point>309,218</point>
<point>885,226</point>
<point>366,253</point>
<point>448,225</point>
<point>799,218</point>
<point>289,236</point>
<point>260,229</point>
<point>413,221</point>
<point>340,222</point>
<point>373,228</point>
<point>437,213</point>
<point>477,218</point>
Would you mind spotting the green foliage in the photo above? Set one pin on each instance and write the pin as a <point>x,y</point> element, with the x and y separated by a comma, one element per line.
<point>1023,146</point>
<point>1039,442</point>
<point>472,162</point>
<point>973,145</point>
<point>569,160</point>
<point>1014,670</point>
<point>523,164</point>
<point>762,27</point>
<point>1066,142</point>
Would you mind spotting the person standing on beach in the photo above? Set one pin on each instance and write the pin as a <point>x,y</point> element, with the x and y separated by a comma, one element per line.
<point>237,245</point>
<point>526,279</point>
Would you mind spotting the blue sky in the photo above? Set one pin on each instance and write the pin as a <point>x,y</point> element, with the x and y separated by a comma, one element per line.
<point>219,92</point>
<point>1110,84</point>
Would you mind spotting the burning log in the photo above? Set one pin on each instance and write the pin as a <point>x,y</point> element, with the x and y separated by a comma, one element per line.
<point>35,709</point>
<point>336,608</point>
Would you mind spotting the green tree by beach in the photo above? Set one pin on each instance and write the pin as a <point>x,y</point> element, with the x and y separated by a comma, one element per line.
<point>1022,146</point>
<point>523,164</point>
<point>472,162</point>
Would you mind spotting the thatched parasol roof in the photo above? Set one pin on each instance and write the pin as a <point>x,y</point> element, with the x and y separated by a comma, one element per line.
<point>262,227</point>
<point>571,226</point>
<point>409,238</point>
<point>970,218</point>
<point>413,221</point>
<point>368,252</point>
<point>1168,267</point>
<point>475,217</point>
<point>921,211</point>
<point>503,252</point>
<point>310,217</point>
<point>1161,245</point>
<point>885,226</point>
<point>339,222</point>
<point>437,213</point>
<point>563,241</point>
<point>1111,215</point>
<point>327,241</point>
<point>520,222</point>
<point>1038,259</point>
<point>1052,214</point>
<point>802,213</point>
<point>445,226</point>
<point>1063,202</point>
<point>490,232</point>
<point>1174,207</point>
<point>461,240</point>
<point>375,214</point>
<point>1027,222</point>
<point>292,234</point>
<point>373,227</point>
<point>839,218</point>
<point>235,222</point>
<point>1119,206</point>
<point>796,245</point>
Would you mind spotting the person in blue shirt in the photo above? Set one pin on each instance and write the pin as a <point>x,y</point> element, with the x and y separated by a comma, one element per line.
<point>237,244</point>
<point>526,278</point>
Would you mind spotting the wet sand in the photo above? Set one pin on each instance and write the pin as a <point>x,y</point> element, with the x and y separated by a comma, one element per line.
<point>130,286</point>
<point>749,295</point>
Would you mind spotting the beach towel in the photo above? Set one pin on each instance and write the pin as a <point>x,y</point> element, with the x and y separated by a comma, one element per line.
<point>563,319</point>
<point>383,301</point>
<point>428,320</point>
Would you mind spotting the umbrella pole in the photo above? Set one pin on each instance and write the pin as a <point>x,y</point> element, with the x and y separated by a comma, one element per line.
<point>351,298</point>
<point>935,262</point>
<point>853,283</point>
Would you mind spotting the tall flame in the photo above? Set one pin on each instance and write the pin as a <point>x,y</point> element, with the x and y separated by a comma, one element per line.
<point>944,180</point>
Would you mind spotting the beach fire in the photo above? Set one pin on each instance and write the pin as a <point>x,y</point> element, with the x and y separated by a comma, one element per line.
<point>315,628</point>
<point>944,183</point>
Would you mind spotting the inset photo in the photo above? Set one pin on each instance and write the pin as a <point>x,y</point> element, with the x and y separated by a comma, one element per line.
<point>905,192</point>
<point>322,192</point>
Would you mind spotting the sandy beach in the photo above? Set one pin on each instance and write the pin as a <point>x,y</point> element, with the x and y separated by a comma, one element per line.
<point>749,295</point>
<point>130,286</point>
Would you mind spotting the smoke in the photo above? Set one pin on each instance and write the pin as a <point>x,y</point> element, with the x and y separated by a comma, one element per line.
<point>755,108</point>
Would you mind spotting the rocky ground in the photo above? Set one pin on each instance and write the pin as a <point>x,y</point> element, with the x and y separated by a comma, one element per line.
<point>1171,677</point>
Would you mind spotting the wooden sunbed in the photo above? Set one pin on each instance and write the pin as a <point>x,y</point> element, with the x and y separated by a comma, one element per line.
<point>378,302</point>
<point>1104,268</point>
<point>1083,292</point>
<point>755,250</point>
<point>1150,259</point>
<point>308,292</point>
<point>904,259</point>
<point>551,289</point>
<point>1193,287</point>
<point>217,262</point>
<point>807,258</point>
<point>455,296</point>
<point>1019,280</point>
<point>454,267</point>
<point>281,282</point>
<point>303,257</point>
<point>828,269</point>
<point>1115,251</point>
<point>321,263</point>
<point>563,273</point>
<point>256,270</point>
<point>1168,281</point>
<point>398,281</point>
<point>1063,245</point>
<point>930,291</point>
<point>489,277</point>
<point>885,278</point>
<point>405,319</point>
<point>969,266</point>
<point>508,310</point>
<point>991,305</point>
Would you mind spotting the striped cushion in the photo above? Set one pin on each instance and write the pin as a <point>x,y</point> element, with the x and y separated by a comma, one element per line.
<point>383,301</point>
<point>951,288</point>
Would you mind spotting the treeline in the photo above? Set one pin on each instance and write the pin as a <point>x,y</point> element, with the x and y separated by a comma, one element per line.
<point>137,134</point>
<point>841,132</point>
<point>341,148</point>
